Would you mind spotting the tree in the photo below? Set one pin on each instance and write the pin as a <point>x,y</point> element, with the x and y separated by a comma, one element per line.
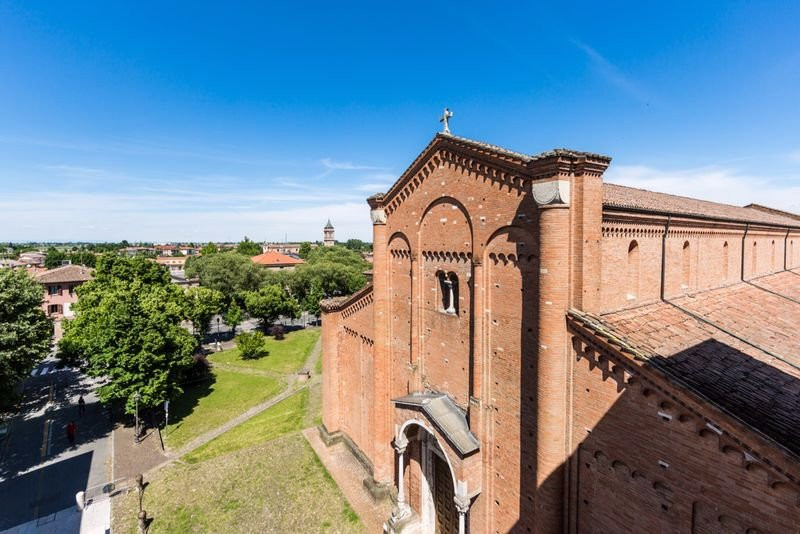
<point>127,328</point>
<point>358,246</point>
<point>248,248</point>
<point>25,330</point>
<point>251,345</point>
<point>305,249</point>
<point>210,248</point>
<point>54,258</point>
<point>328,272</point>
<point>202,304</point>
<point>269,303</point>
<point>234,316</point>
<point>229,273</point>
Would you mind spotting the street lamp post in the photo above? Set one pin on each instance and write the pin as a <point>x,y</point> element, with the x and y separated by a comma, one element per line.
<point>136,426</point>
<point>219,348</point>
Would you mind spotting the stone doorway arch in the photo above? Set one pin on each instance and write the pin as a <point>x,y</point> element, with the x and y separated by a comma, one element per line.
<point>439,504</point>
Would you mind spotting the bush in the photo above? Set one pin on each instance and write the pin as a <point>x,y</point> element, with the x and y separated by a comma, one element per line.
<point>277,332</point>
<point>251,345</point>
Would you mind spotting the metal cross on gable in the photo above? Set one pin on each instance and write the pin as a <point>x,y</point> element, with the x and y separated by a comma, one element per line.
<point>445,119</point>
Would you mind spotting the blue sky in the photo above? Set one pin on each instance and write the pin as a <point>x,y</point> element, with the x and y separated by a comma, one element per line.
<point>195,121</point>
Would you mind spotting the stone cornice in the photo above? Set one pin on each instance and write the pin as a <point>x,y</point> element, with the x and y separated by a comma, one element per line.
<point>484,158</point>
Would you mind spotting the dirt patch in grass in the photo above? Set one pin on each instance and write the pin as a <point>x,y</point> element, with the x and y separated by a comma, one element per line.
<point>207,405</point>
<point>278,486</point>
<point>285,357</point>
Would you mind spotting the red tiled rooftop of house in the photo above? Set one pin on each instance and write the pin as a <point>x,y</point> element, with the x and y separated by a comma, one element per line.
<point>273,258</point>
<point>67,273</point>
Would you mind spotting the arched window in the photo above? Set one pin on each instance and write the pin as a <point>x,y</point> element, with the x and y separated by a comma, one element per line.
<point>448,287</point>
<point>726,263</point>
<point>633,270</point>
<point>686,263</point>
<point>754,259</point>
<point>772,256</point>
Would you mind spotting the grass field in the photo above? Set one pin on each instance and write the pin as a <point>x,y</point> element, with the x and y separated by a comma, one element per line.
<point>285,417</point>
<point>285,356</point>
<point>277,486</point>
<point>209,404</point>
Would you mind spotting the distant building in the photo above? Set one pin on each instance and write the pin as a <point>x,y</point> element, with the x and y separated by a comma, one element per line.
<point>59,288</point>
<point>135,251</point>
<point>328,239</point>
<point>32,259</point>
<point>172,263</point>
<point>10,264</point>
<point>276,261</point>
<point>283,248</point>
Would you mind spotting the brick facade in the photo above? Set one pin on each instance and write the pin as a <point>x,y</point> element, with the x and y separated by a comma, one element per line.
<point>484,261</point>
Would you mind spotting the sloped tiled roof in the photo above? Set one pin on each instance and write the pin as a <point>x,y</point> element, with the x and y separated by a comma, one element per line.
<point>67,273</point>
<point>273,258</point>
<point>736,346</point>
<point>620,196</point>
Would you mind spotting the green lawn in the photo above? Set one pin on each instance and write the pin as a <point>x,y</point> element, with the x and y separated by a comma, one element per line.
<point>285,356</point>
<point>279,486</point>
<point>207,405</point>
<point>285,417</point>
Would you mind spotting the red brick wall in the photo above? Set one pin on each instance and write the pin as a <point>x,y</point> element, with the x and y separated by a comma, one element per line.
<point>707,261</point>
<point>625,425</point>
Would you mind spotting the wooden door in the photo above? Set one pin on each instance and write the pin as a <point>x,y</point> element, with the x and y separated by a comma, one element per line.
<point>443,494</point>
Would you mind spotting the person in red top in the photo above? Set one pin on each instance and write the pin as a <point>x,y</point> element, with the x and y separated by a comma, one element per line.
<point>71,428</point>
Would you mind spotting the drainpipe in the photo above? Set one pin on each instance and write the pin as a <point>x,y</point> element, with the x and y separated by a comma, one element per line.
<point>785,242</point>
<point>746,229</point>
<point>664,254</point>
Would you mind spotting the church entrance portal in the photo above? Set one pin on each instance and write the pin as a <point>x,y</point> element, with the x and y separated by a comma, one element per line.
<point>443,497</point>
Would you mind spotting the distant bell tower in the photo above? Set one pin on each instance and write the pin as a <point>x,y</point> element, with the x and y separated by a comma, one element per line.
<point>329,240</point>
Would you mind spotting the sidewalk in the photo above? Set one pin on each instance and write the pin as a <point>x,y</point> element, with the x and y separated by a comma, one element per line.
<point>349,475</point>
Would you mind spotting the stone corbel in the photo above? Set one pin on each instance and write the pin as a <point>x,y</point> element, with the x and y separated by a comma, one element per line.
<point>551,193</point>
<point>378,216</point>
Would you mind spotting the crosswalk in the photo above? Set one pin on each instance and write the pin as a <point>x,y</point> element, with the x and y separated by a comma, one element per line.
<point>43,370</point>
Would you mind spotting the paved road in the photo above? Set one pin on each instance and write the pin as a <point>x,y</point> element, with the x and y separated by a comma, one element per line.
<point>40,471</point>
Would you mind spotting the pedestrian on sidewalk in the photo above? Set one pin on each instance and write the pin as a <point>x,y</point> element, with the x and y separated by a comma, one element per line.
<point>81,406</point>
<point>71,428</point>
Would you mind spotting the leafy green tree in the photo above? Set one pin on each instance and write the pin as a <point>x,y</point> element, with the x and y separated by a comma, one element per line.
<point>229,273</point>
<point>251,345</point>
<point>25,330</point>
<point>210,248</point>
<point>234,316</point>
<point>127,328</point>
<point>202,303</point>
<point>305,249</point>
<point>83,257</point>
<point>248,248</point>
<point>54,258</point>
<point>328,272</point>
<point>357,245</point>
<point>269,303</point>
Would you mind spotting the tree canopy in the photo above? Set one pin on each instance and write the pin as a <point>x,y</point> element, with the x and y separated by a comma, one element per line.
<point>25,330</point>
<point>127,327</point>
<point>269,303</point>
<point>210,248</point>
<point>202,303</point>
<point>328,272</point>
<point>228,273</point>
<point>248,248</point>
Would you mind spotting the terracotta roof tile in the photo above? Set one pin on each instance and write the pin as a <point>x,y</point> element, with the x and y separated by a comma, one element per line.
<point>745,359</point>
<point>620,196</point>
<point>276,258</point>
<point>67,273</point>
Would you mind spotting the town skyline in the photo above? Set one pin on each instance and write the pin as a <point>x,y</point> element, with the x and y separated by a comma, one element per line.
<point>106,136</point>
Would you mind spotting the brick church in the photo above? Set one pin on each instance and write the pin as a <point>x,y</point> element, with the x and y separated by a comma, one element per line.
<point>540,351</point>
